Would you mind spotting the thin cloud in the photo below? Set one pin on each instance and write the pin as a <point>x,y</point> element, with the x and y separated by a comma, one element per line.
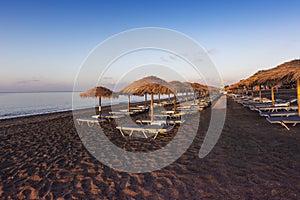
<point>28,81</point>
<point>212,51</point>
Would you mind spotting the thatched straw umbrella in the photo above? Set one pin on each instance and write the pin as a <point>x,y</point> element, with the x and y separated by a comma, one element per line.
<point>188,88</point>
<point>177,87</point>
<point>236,87</point>
<point>284,73</point>
<point>99,92</point>
<point>248,83</point>
<point>131,88</point>
<point>153,88</point>
<point>128,93</point>
<point>296,77</point>
<point>198,88</point>
<point>252,81</point>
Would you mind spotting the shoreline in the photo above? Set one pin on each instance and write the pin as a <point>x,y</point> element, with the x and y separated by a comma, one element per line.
<point>79,109</point>
<point>54,115</point>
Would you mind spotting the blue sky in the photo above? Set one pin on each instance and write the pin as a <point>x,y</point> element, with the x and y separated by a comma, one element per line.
<point>43,43</point>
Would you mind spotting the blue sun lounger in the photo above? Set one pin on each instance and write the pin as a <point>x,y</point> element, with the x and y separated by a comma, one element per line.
<point>283,121</point>
<point>278,114</point>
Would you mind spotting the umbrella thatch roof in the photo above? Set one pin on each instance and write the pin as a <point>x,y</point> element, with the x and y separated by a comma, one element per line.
<point>153,88</point>
<point>286,73</point>
<point>189,87</point>
<point>237,85</point>
<point>197,87</point>
<point>97,91</point>
<point>178,87</point>
<point>131,88</point>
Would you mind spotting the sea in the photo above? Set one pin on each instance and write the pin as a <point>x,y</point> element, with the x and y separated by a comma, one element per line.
<point>25,104</point>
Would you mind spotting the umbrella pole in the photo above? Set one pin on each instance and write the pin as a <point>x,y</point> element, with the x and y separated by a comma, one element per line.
<point>186,97</point>
<point>252,95</point>
<point>152,109</point>
<point>99,103</point>
<point>128,105</point>
<point>175,103</point>
<point>194,98</point>
<point>298,94</point>
<point>260,100</point>
<point>145,99</point>
<point>272,95</point>
<point>169,98</point>
<point>159,98</point>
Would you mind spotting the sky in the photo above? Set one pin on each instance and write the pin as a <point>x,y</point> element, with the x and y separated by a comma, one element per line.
<point>45,43</point>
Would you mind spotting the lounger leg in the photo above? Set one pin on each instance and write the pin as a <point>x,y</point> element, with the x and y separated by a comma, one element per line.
<point>145,134</point>
<point>130,134</point>
<point>283,124</point>
<point>122,132</point>
<point>295,124</point>
<point>90,124</point>
<point>156,134</point>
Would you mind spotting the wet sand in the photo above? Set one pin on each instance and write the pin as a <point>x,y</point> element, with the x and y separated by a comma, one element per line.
<point>42,157</point>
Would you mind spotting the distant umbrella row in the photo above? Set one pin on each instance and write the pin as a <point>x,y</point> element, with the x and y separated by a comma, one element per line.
<point>151,85</point>
<point>287,73</point>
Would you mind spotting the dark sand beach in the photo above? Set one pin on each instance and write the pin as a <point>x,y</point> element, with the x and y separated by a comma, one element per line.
<point>42,157</point>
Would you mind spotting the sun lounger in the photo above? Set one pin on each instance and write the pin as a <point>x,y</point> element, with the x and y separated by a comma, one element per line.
<point>189,112</point>
<point>145,129</point>
<point>284,120</point>
<point>160,121</point>
<point>277,108</point>
<point>278,103</point>
<point>278,114</point>
<point>138,109</point>
<point>123,112</point>
<point>165,116</point>
<point>90,121</point>
<point>109,116</point>
<point>169,112</point>
<point>184,107</point>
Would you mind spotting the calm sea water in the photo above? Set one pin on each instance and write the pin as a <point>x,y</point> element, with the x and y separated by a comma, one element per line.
<point>24,104</point>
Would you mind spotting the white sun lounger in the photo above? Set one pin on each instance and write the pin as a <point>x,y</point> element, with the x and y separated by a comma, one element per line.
<point>160,121</point>
<point>278,114</point>
<point>122,113</point>
<point>284,120</point>
<point>145,129</point>
<point>109,116</point>
<point>90,121</point>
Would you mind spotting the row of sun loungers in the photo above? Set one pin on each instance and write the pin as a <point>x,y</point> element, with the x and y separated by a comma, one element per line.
<point>283,112</point>
<point>162,123</point>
